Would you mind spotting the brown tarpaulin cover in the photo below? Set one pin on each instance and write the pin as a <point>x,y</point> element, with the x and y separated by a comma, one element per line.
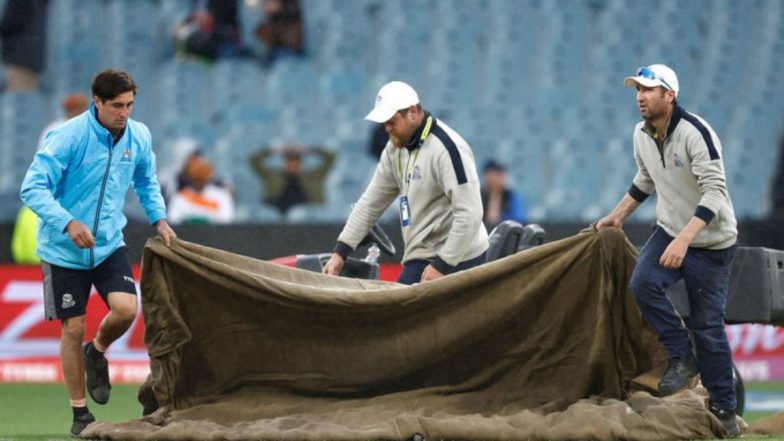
<point>540,345</point>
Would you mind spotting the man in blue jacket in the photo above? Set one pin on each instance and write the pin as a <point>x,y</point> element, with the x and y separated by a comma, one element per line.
<point>76,185</point>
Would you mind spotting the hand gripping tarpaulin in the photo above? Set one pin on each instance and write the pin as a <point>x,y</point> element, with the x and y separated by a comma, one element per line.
<point>544,344</point>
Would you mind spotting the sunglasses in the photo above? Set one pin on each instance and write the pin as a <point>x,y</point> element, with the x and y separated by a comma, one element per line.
<point>651,75</point>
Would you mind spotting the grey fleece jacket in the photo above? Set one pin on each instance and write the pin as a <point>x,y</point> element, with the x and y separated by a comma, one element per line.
<point>687,173</point>
<point>437,173</point>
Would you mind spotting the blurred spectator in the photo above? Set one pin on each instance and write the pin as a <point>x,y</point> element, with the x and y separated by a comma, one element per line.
<point>210,31</point>
<point>172,177</point>
<point>200,200</point>
<point>24,242</point>
<point>281,30</point>
<point>499,201</point>
<point>72,105</point>
<point>293,184</point>
<point>23,31</point>
<point>378,141</point>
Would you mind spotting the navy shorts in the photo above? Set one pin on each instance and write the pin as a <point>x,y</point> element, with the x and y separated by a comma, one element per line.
<point>66,290</point>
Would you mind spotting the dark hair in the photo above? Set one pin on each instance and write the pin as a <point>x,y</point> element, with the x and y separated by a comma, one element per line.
<point>664,90</point>
<point>493,165</point>
<point>404,112</point>
<point>110,83</point>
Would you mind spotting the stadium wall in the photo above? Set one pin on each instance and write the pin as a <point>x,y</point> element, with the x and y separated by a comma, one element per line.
<point>267,241</point>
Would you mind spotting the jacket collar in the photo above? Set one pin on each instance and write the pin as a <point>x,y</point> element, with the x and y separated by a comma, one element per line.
<point>100,131</point>
<point>675,118</point>
<point>422,132</point>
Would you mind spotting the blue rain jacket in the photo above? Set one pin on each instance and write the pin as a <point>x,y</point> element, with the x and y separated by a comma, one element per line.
<point>81,173</point>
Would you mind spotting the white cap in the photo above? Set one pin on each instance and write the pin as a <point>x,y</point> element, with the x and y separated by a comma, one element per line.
<point>652,76</point>
<point>392,97</point>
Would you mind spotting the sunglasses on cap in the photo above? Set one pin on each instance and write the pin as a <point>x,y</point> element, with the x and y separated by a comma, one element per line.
<point>651,75</point>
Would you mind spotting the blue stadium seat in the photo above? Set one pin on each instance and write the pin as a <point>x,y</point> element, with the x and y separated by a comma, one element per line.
<point>11,203</point>
<point>236,82</point>
<point>533,81</point>
<point>181,93</point>
<point>22,117</point>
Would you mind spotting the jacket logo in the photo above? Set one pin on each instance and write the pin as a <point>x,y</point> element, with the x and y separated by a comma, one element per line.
<point>126,157</point>
<point>416,175</point>
<point>128,279</point>
<point>68,301</point>
<point>677,160</point>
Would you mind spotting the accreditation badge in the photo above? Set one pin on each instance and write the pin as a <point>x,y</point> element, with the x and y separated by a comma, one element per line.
<point>405,213</point>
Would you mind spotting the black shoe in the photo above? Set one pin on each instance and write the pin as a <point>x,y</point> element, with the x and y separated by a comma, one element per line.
<point>80,423</point>
<point>727,418</point>
<point>96,372</point>
<point>677,375</point>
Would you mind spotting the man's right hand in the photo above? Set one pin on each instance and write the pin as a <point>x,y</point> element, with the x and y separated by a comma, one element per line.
<point>334,265</point>
<point>80,234</point>
<point>619,214</point>
<point>608,221</point>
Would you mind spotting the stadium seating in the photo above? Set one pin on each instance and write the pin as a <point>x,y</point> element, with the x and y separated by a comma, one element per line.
<point>22,117</point>
<point>534,83</point>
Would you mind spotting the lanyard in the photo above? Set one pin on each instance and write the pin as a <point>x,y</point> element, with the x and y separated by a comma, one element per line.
<point>409,163</point>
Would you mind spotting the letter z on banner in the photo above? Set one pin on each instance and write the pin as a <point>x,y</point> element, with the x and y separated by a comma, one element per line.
<point>30,345</point>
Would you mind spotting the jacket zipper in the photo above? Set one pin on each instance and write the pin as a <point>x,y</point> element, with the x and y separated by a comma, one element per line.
<point>100,201</point>
<point>660,147</point>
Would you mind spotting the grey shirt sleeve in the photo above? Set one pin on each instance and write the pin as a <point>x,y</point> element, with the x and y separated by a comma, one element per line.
<point>709,171</point>
<point>378,195</point>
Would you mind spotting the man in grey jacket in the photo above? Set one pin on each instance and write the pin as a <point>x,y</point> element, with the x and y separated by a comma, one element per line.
<point>678,156</point>
<point>431,172</point>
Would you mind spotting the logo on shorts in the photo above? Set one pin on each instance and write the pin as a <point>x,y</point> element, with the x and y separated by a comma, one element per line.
<point>68,301</point>
<point>128,279</point>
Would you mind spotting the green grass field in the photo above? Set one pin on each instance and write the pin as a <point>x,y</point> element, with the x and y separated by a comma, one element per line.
<point>40,412</point>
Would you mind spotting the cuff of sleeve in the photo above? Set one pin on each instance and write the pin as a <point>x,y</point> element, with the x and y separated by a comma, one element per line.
<point>704,213</point>
<point>442,267</point>
<point>343,250</point>
<point>637,194</point>
<point>63,227</point>
<point>155,216</point>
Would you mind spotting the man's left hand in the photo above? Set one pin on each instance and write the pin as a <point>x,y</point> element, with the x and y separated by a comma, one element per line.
<point>674,254</point>
<point>165,232</point>
<point>430,273</point>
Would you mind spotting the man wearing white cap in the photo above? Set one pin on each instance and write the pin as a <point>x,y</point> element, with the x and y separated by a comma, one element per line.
<point>431,172</point>
<point>679,157</point>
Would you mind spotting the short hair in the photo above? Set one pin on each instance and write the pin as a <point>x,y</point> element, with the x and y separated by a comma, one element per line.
<point>404,112</point>
<point>664,91</point>
<point>494,165</point>
<point>110,83</point>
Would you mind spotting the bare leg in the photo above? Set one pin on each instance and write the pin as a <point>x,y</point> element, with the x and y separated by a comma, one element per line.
<point>71,359</point>
<point>122,312</point>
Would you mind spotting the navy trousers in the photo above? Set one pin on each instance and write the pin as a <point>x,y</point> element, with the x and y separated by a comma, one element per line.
<point>413,269</point>
<point>706,274</point>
